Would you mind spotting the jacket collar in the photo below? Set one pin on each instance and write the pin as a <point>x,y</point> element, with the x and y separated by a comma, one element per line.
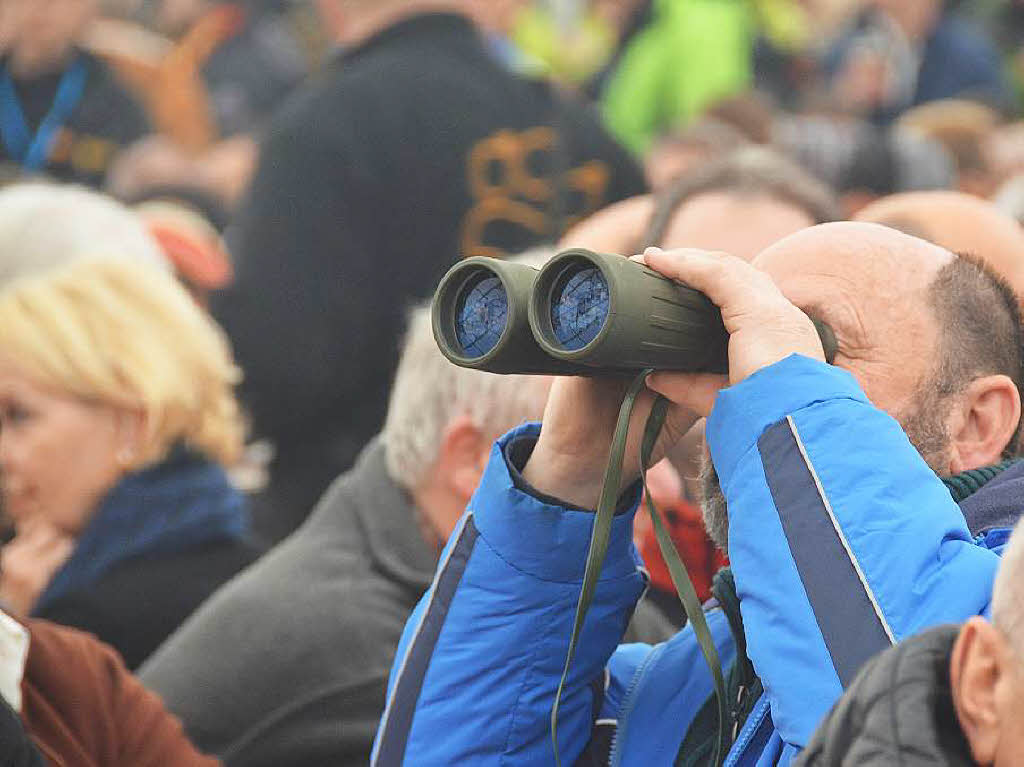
<point>996,502</point>
<point>386,515</point>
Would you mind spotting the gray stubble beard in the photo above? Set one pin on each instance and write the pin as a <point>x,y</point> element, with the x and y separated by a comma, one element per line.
<point>924,424</point>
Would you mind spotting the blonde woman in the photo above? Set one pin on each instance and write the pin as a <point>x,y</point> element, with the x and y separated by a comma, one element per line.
<point>117,420</point>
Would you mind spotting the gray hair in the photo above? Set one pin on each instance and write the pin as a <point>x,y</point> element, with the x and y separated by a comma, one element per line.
<point>752,171</point>
<point>44,225</point>
<point>429,392</point>
<point>1008,591</point>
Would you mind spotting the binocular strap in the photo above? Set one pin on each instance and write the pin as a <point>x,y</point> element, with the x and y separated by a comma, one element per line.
<point>599,537</point>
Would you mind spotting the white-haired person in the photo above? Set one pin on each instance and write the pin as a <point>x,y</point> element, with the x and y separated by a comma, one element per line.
<point>117,421</point>
<point>43,225</point>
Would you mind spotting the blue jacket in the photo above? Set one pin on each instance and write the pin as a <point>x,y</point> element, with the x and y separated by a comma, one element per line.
<point>842,541</point>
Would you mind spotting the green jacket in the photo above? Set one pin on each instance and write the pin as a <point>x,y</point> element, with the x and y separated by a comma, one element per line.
<point>694,53</point>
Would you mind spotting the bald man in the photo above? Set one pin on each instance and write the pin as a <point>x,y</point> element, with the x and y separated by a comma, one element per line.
<point>842,536</point>
<point>954,695</point>
<point>961,223</point>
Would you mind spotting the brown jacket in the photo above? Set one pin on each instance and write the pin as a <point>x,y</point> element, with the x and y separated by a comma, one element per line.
<point>83,708</point>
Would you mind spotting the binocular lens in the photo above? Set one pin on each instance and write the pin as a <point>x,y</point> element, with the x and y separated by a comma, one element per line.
<point>481,313</point>
<point>580,305</point>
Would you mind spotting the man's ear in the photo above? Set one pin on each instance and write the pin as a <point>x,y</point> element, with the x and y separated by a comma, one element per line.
<point>462,457</point>
<point>984,424</point>
<point>975,668</point>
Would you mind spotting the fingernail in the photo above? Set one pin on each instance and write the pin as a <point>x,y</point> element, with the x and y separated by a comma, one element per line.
<point>653,249</point>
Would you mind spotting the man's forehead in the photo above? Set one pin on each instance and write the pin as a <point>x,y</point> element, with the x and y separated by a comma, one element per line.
<point>854,254</point>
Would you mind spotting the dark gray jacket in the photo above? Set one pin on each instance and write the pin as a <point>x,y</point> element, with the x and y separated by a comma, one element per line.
<point>288,663</point>
<point>898,711</point>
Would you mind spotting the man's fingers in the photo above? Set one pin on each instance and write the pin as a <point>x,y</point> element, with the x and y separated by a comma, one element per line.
<point>730,282</point>
<point>694,391</point>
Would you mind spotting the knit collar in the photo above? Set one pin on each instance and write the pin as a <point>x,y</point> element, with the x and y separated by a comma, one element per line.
<point>178,504</point>
<point>963,485</point>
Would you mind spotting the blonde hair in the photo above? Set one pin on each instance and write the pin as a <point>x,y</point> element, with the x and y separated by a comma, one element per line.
<point>128,335</point>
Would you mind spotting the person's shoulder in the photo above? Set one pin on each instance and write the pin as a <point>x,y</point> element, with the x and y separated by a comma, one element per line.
<point>302,622</point>
<point>309,589</point>
<point>75,653</point>
<point>72,671</point>
<point>79,690</point>
<point>213,562</point>
<point>137,603</point>
<point>903,690</point>
<point>316,114</point>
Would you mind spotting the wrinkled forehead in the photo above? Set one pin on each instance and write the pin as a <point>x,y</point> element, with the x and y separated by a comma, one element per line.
<point>861,263</point>
<point>870,284</point>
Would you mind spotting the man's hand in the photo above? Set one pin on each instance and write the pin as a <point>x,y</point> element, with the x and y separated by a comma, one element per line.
<point>569,459</point>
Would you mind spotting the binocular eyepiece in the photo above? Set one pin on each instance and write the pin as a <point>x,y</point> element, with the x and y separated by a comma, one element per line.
<point>583,313</point>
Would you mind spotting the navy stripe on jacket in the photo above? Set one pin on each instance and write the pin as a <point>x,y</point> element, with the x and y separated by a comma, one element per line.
<point>846,611</point>
<point>397,721</point>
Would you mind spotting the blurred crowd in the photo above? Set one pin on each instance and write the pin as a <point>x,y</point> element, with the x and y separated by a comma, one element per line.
<point>230,449</point>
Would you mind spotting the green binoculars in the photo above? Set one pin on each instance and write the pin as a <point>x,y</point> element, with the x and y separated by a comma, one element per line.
<point>583,313</point>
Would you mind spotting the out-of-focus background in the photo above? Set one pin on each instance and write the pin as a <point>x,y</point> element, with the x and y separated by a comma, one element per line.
<point>282,181</point>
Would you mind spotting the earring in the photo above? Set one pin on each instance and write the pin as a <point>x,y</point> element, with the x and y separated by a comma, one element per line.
<point>125,457</point>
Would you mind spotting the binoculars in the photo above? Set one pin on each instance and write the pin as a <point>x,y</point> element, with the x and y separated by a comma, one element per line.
<point>583,313</point>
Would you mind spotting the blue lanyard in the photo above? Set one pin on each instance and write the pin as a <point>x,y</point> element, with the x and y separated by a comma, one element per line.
<point>31,151</point>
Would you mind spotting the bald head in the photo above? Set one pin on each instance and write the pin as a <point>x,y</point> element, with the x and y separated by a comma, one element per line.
<point>960,223</point>
<point>933,339</point>
<point>924,331</point>
<point>870,283</point>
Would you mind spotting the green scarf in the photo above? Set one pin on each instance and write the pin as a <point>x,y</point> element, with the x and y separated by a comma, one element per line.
<point>966,483</point>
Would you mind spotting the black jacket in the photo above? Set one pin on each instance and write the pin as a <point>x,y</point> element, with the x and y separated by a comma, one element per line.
<point>105,120</point>
<point>16,746</point>
<point>288,664</point>
<point>138,603</point>
<point>411,151</point>
<point>898,711</point>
